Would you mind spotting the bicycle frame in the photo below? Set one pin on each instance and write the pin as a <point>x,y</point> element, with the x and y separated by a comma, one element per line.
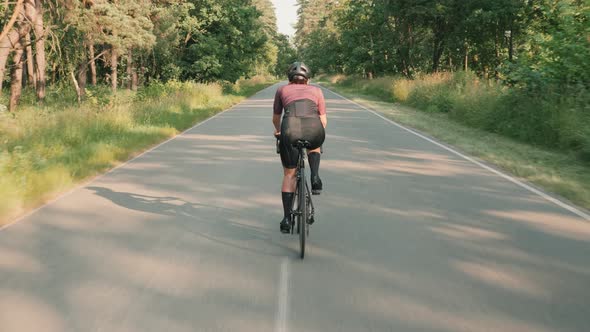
<point>302,208</point>
<point>294,210</point>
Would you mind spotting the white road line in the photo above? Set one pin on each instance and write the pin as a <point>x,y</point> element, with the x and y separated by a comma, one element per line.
<point>505,176</point>
<point>64,195</point>
<point>283,298</point>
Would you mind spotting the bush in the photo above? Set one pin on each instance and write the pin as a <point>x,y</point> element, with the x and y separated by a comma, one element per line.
<point>539,114</point>
<point>430,92</point>
<point>379,87</point>
<point>246,87</point>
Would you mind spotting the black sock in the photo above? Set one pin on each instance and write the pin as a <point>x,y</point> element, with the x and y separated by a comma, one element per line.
<point>314,163</point>
<point>287,203</point>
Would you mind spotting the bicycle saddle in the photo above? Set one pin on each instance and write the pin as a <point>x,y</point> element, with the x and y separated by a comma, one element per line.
<point>302,144</point>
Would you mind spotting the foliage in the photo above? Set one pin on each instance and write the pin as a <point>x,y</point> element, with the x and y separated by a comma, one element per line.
<point>286,55</point>
<point>202,40</point>
<point>373,38</point>
<point>512,112</point>
<point>517,68</point>
<point>556,170</point>
<point>226,43</point>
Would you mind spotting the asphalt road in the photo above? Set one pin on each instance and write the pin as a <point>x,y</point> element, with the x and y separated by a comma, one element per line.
<point>408,237</point>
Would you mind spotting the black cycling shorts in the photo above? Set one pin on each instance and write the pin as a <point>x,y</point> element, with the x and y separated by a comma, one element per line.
<point>299,128</point>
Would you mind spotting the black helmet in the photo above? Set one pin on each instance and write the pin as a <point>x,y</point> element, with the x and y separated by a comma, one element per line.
<point>298,69</point>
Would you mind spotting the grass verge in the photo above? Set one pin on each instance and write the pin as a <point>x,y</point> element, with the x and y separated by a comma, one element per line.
<point>561,173</point>
<point>45,151</point>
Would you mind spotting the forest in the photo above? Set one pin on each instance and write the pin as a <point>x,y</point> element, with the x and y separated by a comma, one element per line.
<point>87,84</point>
<point>126,44</point>
<point>520,68</point>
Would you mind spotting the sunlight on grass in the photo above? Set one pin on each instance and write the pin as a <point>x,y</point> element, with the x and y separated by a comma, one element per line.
<point>46,150</point>
<point>562,173</point>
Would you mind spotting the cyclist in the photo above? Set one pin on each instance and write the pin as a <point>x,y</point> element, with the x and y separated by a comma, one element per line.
<point>304,118</point>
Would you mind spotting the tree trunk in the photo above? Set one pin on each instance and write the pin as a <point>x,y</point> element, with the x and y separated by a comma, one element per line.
<point>496,52</point>
<point>129,69</point>
<point>77,87</point>
<point>401,51</point>
<point>141,71</point>
<point>31,76</point>
<point>511,46</point>
<point>92,63</point>
<point>6,46</point>
<point>466,60</point>
<point>114,70</point>
<point>16,12</point>
<point>154,67</point>
<point>437,52</point>
<point>16,83</point>
<point>13,33</point>
<point>134,79</point>
<point>82,78</point>
<point>373,65</point>
<point>439,41</point>
<point>54,73</point>
<point>410,47</point>
<point>436,55</point>
<point>40,49</point>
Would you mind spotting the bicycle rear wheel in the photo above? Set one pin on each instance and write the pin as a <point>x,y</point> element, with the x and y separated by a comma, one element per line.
<point>302,217</point>
<point>309,212</point>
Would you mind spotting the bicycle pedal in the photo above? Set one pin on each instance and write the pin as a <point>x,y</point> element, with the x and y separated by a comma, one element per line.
<point>316,192</point>
<point>311,220</point>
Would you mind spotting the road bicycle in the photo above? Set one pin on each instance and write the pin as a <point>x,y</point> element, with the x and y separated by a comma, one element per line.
<point>302,211</point>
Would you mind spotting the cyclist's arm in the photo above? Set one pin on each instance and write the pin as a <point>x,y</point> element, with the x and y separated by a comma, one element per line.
<point>322,108</point>
<point>276,121</point>
<point>277,111</point>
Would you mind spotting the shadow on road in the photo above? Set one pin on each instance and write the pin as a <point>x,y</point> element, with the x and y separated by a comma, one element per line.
<point>409,238</point>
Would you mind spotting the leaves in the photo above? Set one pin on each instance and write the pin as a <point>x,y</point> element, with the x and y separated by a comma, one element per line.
<point>203,40</point>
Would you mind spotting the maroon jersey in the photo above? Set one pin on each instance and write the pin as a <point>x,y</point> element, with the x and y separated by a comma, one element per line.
<point>287,94</point>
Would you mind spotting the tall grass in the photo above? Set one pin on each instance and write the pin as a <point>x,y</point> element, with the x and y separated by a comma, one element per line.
<point>246,87</point>
<point>45,150</point>
<point>494,123</point>
<point>379,87</point>
<point>546,118</point>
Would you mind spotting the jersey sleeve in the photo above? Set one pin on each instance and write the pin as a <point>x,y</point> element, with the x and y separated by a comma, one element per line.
<point>321,102</point>
<point>278,104</point>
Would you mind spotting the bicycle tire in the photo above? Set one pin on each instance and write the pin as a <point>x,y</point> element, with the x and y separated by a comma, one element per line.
<point>309,213</point>
<point>302,220</point>
<point>294,212</point>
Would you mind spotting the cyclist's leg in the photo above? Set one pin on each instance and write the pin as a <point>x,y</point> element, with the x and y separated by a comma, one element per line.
<point>289,180</point>
<point>288,189</point>
<point>289,158</point>
<point>314,132</point>
<point>314,157</point>
<point>314,161</point>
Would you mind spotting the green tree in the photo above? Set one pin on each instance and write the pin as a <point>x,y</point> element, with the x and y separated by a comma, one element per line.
<point>287,54</point>
<point>268,55</point>
<point>227,43</point>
